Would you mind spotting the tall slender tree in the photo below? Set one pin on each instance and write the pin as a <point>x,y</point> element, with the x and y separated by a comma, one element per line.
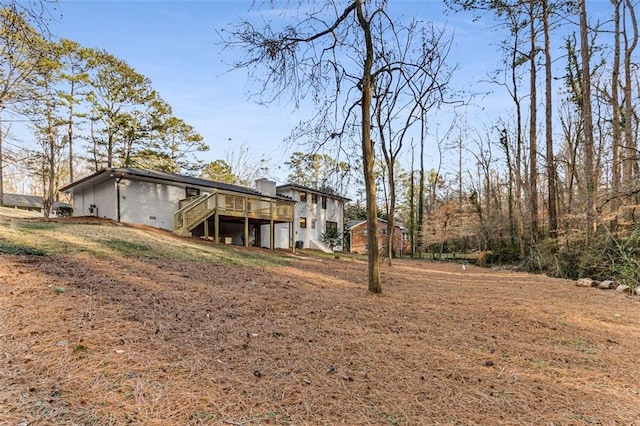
<point>21,48</point>
<point>74,76</point>
<point>548,112</point>
<point>303,57</point>
<point>587,120</point>
<point>632,160</point>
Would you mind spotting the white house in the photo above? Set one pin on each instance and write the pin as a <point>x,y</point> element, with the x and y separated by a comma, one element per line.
<point>315,212</point>
<point>267,216</point>
<point>186,205</point>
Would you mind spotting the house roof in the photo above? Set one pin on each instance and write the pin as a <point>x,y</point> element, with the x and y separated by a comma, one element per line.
<point>29,201</point>
<point>154,175</point>
<point>353,223</point>
<point>21,200</point>
<point>297,187</point>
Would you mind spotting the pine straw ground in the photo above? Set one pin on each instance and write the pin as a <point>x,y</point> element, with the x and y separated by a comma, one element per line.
<point>97,338</point>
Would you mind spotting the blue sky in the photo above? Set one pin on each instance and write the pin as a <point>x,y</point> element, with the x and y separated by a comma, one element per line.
<point>174,43</point>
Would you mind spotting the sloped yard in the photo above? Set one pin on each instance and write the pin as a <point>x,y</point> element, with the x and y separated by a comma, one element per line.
<point>101,324</point>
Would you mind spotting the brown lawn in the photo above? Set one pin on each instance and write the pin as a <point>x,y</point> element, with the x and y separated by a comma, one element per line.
<point>104,339</point>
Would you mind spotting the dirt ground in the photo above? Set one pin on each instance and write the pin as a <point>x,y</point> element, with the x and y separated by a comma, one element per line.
<point>91,339</point>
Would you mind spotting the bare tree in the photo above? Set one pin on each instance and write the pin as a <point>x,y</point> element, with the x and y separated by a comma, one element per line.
<point>331,45</point>
<point>548,112</point>
<point>408,89</point>
<point>631,162</point>
<point>615,106</point>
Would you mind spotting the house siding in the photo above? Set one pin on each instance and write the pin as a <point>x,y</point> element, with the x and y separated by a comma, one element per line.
<point>149,203</point>
<point>100,195</point>
<point>334,212</point>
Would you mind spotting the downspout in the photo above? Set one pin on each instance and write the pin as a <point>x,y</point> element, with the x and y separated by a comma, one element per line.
<point>118,194</point>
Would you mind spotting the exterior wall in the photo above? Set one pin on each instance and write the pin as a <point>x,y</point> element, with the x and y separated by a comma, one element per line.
<point>149,203</point>
<point>282,231</point>
<point>359,239</point>
<point>316,217</point>
<point>101,195</point>
<point>312,212</point>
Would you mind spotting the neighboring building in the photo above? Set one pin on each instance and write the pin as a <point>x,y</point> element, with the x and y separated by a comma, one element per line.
<point>30,202</point>
<point>187,205</point>
<point>23,202</point>
<point>315,212</point>
<point>359,239</point>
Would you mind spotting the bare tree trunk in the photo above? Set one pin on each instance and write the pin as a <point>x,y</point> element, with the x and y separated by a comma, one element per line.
<point>631,160</point>
<point>504,142</point>
<point>551,168</point>
<point>368,155</point>
<point>533,145</point>
<point>587,122</point>
<point>70,137</point>
<point>518,154</point>
<point>421,186</point>
<point>615,106</point>
<point>391,217</point>
<point>51,142</point>
<point>1,159</point>
<point>412,206</point>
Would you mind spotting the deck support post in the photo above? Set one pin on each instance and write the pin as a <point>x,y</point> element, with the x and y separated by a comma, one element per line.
<point>291,243</point>
<point>246,222</point>
<point>216,222</point>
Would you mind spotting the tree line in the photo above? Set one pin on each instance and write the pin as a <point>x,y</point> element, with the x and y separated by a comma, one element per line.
<point>80,109</point>
<point>552,183</point>
<point>555,183</point>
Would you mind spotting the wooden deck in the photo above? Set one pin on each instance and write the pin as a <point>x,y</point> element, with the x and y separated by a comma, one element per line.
<point>196,210</point>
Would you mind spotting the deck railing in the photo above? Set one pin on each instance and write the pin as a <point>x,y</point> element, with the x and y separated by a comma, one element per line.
<point>196,210</point>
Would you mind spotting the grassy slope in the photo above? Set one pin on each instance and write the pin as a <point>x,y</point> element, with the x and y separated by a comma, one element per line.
<point>60,237</point>
<point>110,325</point>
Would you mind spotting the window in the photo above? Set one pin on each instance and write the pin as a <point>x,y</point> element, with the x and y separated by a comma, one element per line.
<point>324,203</point>
<point>313,224</point>
<point>314,198</point>
<point>303,197</point>
<point>366,232</point>
<point>303,223</point>
<point>191,192</point>
<point>331,226</point>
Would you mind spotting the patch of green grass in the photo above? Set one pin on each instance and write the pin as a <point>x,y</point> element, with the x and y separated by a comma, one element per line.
<point>126,247</point>
<point>38,225</point>
<point>580,344</point>
<point>274,416</point>
<point>394,419</point>
<point>7,247</point>
<point>80,348</point>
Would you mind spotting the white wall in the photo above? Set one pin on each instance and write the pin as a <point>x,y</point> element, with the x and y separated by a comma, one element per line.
<point>149,203</point>
<point>102,195</point>
<point>333,213</point>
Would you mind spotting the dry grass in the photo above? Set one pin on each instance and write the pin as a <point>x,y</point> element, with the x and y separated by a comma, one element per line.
<point>93,337</point>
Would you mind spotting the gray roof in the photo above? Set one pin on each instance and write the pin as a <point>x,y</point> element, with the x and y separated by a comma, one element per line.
<point>162,176</point>
<point>297,187</point>
<point>352,223</point>
<point>29,201</point>
<point>21,200</point>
